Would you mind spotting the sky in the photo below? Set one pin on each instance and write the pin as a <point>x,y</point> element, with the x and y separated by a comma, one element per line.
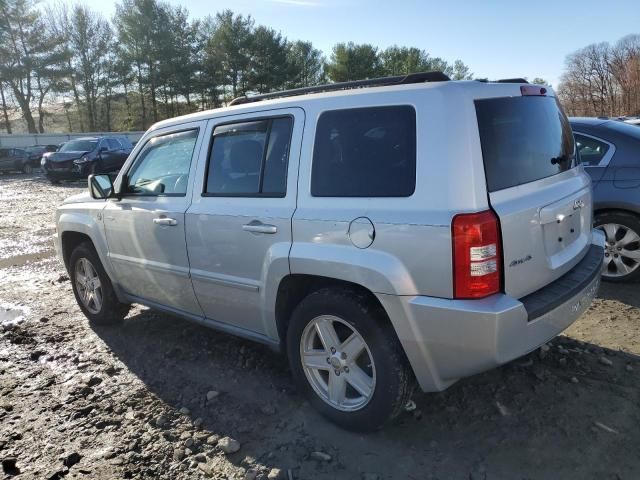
<point>495,38</point>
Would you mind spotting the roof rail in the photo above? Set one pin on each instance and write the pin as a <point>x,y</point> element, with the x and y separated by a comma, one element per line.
<point>372,82</point>
<point>512,80</point>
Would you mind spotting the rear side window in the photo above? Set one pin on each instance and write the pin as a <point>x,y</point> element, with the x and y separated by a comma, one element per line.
<point>250,158</point>
<point>523,139</point>
<point>114,144</point>
<point>591,150</point>
<point>365,152</point>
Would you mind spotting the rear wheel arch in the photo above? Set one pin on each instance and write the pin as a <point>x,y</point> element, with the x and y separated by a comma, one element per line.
<point>296,287</point>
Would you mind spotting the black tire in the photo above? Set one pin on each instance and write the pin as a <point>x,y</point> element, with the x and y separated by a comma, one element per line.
<point>28,169</point>
<point>394,379</point>
<point>111,311</point>
<point>630,222</point>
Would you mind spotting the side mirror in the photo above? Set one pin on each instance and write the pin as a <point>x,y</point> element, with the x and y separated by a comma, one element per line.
<point>101,187</point>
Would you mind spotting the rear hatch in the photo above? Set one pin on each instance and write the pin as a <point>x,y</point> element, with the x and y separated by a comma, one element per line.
<point>542,198</point>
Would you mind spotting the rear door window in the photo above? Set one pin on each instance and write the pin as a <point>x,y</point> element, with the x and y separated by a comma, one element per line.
<point>250,158</point>
<point>114,144</point>
<point>592,151</point>
<point>523,139</point>
<point>365,152</point>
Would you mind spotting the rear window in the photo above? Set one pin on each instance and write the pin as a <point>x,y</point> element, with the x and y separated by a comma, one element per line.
<point>523,139</point>
<point>365,152</point>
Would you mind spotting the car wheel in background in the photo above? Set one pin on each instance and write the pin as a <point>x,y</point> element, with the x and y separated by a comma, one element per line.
<point>345,356</point>
<point>28,169</point>
<point>622,247</point>
<point>92,287</point>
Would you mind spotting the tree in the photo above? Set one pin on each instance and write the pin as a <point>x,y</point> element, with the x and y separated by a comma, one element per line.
<point>90,37</point>
<point>5,109</point>
<point>353,62</point>
<point>305,64</point>
<point>268,69</point>
<point>460,71</point>
<point>539,81</point>
<point>32,58</point>
<point>230,48</point>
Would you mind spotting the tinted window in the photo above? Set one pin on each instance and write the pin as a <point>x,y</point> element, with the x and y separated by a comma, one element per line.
<point>113,144</point>
<point>591,150</point>
<point>250,158</point>
<point>162,167</point>
<point>79,146</point>
<point>365,152</point>
<point>523,139</point>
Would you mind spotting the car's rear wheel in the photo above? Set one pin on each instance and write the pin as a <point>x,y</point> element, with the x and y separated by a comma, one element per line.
<point>92,287</point>
<point>347,359</point>
<point>622,247</point>
<point>28,169</point>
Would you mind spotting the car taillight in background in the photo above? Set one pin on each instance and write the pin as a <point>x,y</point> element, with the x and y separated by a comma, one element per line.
<point>477,266</point>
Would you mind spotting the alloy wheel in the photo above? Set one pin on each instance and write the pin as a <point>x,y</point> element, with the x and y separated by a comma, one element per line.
<point>337,363</point>
<point>622,250</point>
<point>88,285</point>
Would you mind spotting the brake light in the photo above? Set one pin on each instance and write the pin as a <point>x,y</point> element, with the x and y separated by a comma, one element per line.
<point>527,90</point>
<point>476,255</point>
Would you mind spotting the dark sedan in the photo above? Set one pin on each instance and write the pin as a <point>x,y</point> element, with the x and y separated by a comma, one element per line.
<point>35,153</point>
<point>12,159</point>
<point>82,156</point>
<point>610,152</point>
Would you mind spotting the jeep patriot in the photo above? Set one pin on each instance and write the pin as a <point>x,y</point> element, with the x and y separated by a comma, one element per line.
<point>382,233</point>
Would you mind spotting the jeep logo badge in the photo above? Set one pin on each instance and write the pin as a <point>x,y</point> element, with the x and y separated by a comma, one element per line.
<point>578,204</point>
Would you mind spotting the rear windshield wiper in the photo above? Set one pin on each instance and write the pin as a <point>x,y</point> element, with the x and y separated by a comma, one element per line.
<point>559,160</point>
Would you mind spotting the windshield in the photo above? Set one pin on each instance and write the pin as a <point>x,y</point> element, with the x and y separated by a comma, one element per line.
<point>79,146</point>
<point>523,139</point>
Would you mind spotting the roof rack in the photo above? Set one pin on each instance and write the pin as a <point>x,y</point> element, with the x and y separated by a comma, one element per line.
<point>502,80</point>
<point>372,82</point>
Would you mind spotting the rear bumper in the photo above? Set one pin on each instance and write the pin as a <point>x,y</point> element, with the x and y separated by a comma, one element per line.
<point>446,340</point>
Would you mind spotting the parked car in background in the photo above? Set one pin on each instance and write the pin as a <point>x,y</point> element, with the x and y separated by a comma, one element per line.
<point>14,159</point>
<point>35,153</point>
<point>610,153</point>
<point>418,229</point>
<point>80,157</point>
<point>633,121</point>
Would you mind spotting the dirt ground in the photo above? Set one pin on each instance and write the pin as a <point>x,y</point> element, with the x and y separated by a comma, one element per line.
<point>151,398</point>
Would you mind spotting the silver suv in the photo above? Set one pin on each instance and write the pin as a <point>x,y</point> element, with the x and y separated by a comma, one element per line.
<point>382,233</point>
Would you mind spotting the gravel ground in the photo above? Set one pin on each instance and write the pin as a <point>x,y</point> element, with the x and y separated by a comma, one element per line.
<point>158,397</point>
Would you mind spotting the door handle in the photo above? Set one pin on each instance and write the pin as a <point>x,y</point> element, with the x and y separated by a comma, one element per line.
<point>165,221</point>
<point>259,227</point>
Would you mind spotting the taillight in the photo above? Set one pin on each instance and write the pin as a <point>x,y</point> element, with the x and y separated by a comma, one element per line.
<point>476,255</point>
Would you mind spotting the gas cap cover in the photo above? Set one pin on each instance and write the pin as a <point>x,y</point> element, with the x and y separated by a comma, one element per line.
<point>362,233</point>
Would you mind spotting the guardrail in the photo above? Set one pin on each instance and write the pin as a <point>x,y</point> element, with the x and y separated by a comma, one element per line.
<point>28,139</point>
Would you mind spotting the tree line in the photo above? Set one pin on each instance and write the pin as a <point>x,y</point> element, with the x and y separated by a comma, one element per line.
<point>151,61</point>
<point>603,79</point>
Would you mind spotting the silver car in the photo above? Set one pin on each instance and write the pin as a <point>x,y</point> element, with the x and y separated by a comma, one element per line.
<point>383,233</point>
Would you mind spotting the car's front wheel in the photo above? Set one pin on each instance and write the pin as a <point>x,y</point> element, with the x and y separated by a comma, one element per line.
<point>92,287</point>
<point>346,357</point>
<point>622,247</point>
<point>28,169</point>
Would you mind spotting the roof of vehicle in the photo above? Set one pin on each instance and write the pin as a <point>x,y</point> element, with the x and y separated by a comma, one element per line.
<point>471,86</point>
<point>590,121</point>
